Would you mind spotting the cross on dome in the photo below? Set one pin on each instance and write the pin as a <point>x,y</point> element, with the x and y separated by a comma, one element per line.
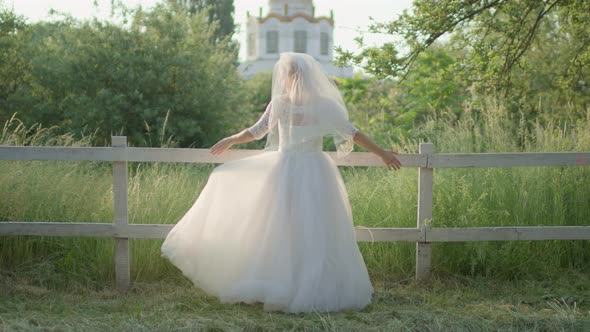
<point>290,7</point>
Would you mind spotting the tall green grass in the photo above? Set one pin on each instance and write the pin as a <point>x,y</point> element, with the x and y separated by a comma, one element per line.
<point>163,192</point>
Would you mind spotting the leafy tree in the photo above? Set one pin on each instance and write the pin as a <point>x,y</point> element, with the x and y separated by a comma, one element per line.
<point>255,93</point>
<point>533,55</point>
<point>389,109</point>
<point>220,11</point>
<point>498,33</point>
<point>13,68</point>
<point>432,87</point>
<point>374,107</point>
<point>160,76</point>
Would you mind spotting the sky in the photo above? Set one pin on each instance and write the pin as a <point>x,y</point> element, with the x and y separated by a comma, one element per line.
<point>352,17</point>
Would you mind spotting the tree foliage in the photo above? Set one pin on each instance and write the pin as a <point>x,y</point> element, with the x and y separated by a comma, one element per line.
<point>529,52</point>
<point>156,77</point>
<point>374,108</point>
<point>389,110</point>
<point>219,12</point>
<point>498,32</point>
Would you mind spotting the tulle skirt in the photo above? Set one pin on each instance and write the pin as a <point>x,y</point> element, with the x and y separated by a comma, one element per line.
<point>274,228</point>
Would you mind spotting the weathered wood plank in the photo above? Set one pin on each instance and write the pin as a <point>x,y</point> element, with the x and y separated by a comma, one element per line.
<point>122,266</point>
<point>369,159</point>
<point>77,229</point>
<point>363,234</point>
<point>425,192</point>
<point>367,234</point>
<point>60,153</point>
<point>475,234</point>
<point>438,160</point>
<point>144,231</point>
<point>159,231</point>
<point>204,156</point>
<point>83,229</point>
<point>187,155</point>
<point>459,160</point>
<point>141,154</point>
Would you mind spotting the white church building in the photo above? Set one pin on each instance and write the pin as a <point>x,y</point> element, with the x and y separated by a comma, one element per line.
<point>289,26</point>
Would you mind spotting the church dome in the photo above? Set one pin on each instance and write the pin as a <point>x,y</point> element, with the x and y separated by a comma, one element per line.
<point>289,26</point>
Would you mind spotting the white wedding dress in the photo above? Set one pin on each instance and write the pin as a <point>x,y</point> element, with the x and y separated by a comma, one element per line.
<point>277,227</point>
<point>274,228</point>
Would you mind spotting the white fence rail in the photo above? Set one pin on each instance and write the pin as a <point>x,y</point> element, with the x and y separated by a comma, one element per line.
<point>423,235</point>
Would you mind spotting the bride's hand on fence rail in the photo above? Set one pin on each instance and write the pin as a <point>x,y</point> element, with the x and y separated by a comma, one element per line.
<point>390,159</point>
<point>222,145</point>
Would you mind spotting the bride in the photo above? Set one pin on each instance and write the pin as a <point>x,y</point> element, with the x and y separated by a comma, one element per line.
<point>277,227</point>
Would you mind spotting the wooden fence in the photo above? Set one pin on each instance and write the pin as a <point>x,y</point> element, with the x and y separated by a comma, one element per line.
<point>426,160</point>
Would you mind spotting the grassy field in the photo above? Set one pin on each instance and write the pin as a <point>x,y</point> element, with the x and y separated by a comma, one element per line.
<point>66,283</point>
<point>452,303</point>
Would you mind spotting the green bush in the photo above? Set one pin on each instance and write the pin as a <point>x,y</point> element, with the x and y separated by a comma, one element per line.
<point>157,79</point>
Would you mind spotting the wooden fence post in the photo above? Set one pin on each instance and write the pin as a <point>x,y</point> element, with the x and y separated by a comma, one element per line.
<point>425,181</point>
<point>122,270</point>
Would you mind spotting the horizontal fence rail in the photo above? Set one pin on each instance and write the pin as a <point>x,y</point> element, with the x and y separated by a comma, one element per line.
<point>423,234</point>
<point>528,159</point>
<point>131,154</point>
<point>529,233</point>
<point>159,231</point>
<point>437,160</point>
<point>363,234</point>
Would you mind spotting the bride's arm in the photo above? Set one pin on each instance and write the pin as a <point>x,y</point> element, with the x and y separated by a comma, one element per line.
<point>255,132</point>
<point>388,157</point>
<point>243,136</point>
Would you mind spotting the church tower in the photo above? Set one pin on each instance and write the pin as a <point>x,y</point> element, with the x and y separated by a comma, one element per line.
<point>289,26</point>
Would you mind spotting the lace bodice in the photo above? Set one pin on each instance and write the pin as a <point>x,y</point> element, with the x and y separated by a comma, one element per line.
<point>293,137</point>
